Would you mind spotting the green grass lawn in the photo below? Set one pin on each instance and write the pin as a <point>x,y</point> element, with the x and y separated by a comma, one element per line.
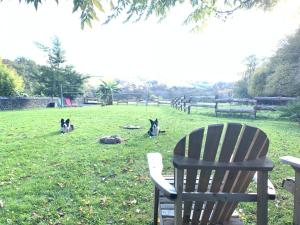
<point>48,178</point>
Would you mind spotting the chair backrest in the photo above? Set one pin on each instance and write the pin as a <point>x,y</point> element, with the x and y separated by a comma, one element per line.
<point>230,143</point>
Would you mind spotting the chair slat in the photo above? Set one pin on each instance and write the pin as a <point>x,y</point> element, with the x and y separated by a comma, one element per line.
<point>245,142</point>
<point>229,143</point>
<point>179,179</point>
<point>194,151</point>
<point>180,147</point>
<point>245,177</point>
<point>259,149</point>
<point>213,137</point>
<point>195,143</point>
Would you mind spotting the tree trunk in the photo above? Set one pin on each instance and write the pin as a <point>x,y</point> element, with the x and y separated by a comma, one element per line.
<point>110,100</point>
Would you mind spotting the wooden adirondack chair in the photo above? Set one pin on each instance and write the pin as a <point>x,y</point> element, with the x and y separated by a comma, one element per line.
<point>208,184</point>
<point>293,185</point>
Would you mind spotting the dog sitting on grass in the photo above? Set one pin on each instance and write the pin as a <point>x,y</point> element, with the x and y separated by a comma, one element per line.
<point>154,129</point>
<point>66,126</point>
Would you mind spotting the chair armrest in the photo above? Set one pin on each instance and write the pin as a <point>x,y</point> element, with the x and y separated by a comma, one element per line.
<point>261,164</point>
<point>293,161</point>
<point>155,168</point>
<point>271,188</point>
<point>290,184</point>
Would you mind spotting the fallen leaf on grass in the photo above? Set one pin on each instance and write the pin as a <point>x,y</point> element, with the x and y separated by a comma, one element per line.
<point>130,202</point>
<point>126,170</point>
<point>85,201</point>
<point>36,215</point>
<point>61,185</point>
<point>103,201</point>
<point>60,212</point>
<point>129,161</point>
<point>103,178</point>
<point>91,210</point>
<point>141,178</point>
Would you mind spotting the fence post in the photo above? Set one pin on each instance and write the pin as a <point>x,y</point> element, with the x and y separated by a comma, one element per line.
<point>189,105</point>
<point>61,96</point>
<point>181,103</point>
<point>216,105</point>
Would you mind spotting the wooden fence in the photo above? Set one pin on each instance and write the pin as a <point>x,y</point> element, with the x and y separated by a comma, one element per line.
<point>237,105</point>
<point>138,101</point>
<point>92,101</point>
<point>242,105</point>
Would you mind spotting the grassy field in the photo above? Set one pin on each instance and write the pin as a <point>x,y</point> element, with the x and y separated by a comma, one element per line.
<point>48,178</point>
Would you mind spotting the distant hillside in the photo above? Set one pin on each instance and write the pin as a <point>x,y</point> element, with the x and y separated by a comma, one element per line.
<point>154,89</point>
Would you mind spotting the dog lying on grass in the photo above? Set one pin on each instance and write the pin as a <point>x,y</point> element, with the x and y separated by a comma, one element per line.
<point>66,126</point>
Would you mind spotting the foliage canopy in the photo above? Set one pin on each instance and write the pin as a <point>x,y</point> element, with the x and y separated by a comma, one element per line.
<point>135,10</point>
<point>28,70</point>
<point>10,82</point>
<point>47,80</point>
<point>107,90</point>
<point>57,75</point>
<point>279,75</point>
<point>56,54</point>
<point>241,88</point>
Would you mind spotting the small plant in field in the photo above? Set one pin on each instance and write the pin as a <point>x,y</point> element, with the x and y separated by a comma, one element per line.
<point>292,111</point>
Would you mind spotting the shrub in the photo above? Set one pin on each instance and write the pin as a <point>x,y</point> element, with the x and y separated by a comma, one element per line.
<point>10,82</point>
<point>292,111</point>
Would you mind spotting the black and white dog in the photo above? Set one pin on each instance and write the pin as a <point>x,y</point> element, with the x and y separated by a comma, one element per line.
<point>66,126</point>
<point>154,128</point>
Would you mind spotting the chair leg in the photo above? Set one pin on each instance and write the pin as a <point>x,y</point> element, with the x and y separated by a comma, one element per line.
<point>262,198</point>
<point>179,176</point>
<point>297,198</point>
<point>156,201</point>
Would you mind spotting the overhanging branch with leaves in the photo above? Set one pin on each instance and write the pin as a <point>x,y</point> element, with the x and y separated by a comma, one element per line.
<point>142,9</point>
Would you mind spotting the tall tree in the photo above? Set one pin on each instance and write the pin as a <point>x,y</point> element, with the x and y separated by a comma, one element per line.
<point>258,81</point>
<point>279,76</point>
<point>284,68</point>
<point>56,54</point>
<point>57,74</point>
<point>250,62</point>
<point>201,10</point>
<point>56,59</point>
<point>66,77</point>
<point>241,87</point>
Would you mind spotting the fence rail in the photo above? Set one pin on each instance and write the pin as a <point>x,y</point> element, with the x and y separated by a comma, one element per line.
<point>142,102</point>
<point>241,105</point>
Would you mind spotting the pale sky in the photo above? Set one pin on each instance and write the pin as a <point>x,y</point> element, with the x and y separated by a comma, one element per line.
<point>165,51</point>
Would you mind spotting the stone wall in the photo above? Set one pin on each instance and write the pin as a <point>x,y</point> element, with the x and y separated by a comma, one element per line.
<point>12,103</point>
